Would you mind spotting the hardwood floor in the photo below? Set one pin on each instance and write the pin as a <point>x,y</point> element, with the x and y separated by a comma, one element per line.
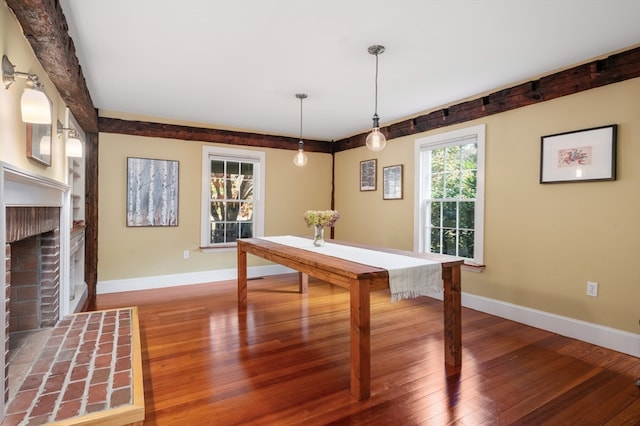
<point>286,362</point>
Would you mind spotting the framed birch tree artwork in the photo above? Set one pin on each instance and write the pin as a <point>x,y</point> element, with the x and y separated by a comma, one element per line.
<point>152,192</point>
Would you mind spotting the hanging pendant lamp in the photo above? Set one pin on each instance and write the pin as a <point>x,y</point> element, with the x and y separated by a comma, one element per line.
<point>376,139</point>
<point>300,159</point>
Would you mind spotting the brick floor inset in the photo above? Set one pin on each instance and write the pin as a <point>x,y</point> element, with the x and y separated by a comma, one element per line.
<point>84,367</point>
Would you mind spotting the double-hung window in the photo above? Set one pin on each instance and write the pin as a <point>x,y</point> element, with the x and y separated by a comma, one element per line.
<point>450,193</point>
<point>232,195</point>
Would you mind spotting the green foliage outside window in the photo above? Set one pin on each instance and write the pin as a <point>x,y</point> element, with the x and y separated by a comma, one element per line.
<point>453,181</point>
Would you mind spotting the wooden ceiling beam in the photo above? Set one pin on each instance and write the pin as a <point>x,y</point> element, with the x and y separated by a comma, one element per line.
<point>613,69</point>
<point>172,131</point>
<point>45,27</point>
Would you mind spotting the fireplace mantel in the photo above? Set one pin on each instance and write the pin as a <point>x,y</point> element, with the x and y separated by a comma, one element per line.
<point>21,188</point>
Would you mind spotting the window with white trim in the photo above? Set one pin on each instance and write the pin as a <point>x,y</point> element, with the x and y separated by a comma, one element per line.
<point>232,195</point>
<point>450,194</point>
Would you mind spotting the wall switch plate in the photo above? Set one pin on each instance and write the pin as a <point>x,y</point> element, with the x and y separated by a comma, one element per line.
<point>592,289</point>
<point>186,254</point>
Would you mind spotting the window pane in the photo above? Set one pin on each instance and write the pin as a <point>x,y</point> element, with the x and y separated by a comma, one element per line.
<point>217,232</point>
<point>452,185</point>
<point>233,209</point>
<point>246,230</point>
<point>246,189</point>
<point>231,232</point>
<point>217,211</point>
<point>449,213</point>
<point>449,245</point>
<point>467,215</point>
<point>469,156</point>
<point>233,168</point>
<point>435,240</point>
<point>217,168</point>
<point>469,180</point>
<point>465,245</point>
<point>247,170</point>
<point>437,160</point>
<point>437,185</point>
<point>436,214</point>
<point>217,188</point>
<point>452,158</point>
<point>246,211</point>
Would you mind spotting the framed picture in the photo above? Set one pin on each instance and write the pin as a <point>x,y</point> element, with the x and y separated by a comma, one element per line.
<point>578,156</point>
<point>152,192</point>
<point>39,143</point>
<point>392,182</point>
<point>368,175</point>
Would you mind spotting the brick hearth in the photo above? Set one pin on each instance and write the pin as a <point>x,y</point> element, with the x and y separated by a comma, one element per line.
<point>88,371</point>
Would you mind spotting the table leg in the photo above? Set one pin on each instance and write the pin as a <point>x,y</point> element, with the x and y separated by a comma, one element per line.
<point>242,279</point>
<point>303,282</point>
<point>452,320</point>
<point>360,334</point>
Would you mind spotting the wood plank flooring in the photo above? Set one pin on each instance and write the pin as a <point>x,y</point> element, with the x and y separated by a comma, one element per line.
<point>286,362</point>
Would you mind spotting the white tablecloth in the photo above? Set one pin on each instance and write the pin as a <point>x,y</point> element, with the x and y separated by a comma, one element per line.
<point>409,277</point>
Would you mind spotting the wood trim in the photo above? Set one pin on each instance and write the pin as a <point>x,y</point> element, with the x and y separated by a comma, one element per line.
<point>613,69</point>
<point>91,215</point>
<point>173,131</point>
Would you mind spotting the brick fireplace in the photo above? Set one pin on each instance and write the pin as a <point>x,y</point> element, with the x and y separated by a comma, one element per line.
<point>32,269</point>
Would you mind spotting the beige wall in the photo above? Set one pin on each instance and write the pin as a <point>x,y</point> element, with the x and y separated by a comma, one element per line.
<point>13,145</point>
<point>130,252</point>
<point>542,242</point>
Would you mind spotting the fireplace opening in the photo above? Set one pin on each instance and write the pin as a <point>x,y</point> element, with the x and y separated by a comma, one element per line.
<point>32,301</point>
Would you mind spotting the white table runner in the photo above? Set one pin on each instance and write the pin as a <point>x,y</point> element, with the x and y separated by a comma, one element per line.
<point>409,277</point>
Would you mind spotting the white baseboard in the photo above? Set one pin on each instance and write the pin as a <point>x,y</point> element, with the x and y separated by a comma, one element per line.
<point>607,337</point>
<point>162,281</point>
<point>611,338</point>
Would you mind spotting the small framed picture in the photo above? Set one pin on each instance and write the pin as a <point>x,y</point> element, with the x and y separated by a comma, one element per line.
<point>578,156</point>
<point>368,175</point>
<point>392,182</point>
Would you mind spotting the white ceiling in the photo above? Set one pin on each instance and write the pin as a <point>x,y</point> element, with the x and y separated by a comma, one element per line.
<point>239,64</point>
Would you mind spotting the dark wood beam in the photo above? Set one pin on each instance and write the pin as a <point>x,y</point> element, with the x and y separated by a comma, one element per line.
<point>91,213</point>
<point>616,68</point>
<point>172,131</point>
<point>45,27</point>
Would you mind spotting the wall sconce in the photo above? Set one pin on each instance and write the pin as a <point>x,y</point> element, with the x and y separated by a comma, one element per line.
<point>35,105</point>
<point>73,146</point>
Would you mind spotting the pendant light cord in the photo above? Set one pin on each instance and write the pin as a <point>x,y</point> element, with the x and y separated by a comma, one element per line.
<point>376,86</point>
<point>301,98</point>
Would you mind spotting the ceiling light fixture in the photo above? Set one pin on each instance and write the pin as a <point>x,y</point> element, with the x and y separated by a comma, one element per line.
<point>35,105</point>
<point>73,147</point>
<point>300,159</point>
<point>376,140</point>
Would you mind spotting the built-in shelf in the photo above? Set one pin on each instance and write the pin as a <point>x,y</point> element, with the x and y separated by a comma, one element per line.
<point>77,284</point>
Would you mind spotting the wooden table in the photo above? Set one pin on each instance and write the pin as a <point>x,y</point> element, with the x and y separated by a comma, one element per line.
<point>360,280</point>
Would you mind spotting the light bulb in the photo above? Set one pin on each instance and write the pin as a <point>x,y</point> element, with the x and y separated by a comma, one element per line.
<point>376,140</point>
<point>300,159</point>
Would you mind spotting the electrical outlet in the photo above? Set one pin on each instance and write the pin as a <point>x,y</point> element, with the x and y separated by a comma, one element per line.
<point>592,289</point>
<point>186,254</point>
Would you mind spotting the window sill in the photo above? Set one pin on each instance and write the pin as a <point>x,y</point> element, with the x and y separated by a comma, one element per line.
<point>220,248</point>
<point>473,267</point>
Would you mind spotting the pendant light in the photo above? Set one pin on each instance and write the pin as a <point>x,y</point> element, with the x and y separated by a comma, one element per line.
<point>300,159</point>
<point>376,140</point>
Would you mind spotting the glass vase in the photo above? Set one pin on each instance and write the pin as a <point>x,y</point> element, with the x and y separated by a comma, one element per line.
<point>318,235</point>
